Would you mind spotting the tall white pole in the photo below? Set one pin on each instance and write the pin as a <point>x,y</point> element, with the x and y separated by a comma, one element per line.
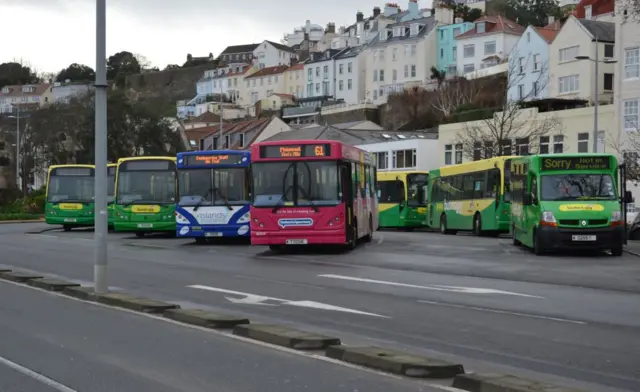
<point>18,185</point>
<point>595,102</point>
<point>101,229</point>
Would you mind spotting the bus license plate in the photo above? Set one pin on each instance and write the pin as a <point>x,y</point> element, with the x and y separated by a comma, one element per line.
<point>583,237</point>
<point>145,225</point>
<point>213,234</point>
<point>70,220</point>
<point>296,242</point>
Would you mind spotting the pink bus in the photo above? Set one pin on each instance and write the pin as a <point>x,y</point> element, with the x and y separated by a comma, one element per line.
<point>307,192</point>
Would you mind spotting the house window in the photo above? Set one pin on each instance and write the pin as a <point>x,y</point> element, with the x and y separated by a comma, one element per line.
<point>227,141</point>
<point>349,84</point>
<point>414,48</point>
<point>583,142</point>
<point>318,71</point>
<point>441,52</point>
<point>588,14</point>
<point>382,162</point>
<point>535,91</point>
<point>375,94</point>
<point>448,151</point>
<point>441,34</point>
<point>608,82</point>
<point>558,144</point>
<point>490,47</point>
<point>521,65</point>
<point>568,84</point>
<point>325,71</point>
<point>456,31</point>
<point>381,75</point>
<point>268,80</point>
<point>349,67</point>
<point>608,50</point>
<point>570,53</point>
<point>520,91</point>
<point>317,87</point>
<point>506,147</point>
<point>469,51</point>
<point>455,53</point>
<point>341,69</point>
<point>481,27</point>
<point>458,155</point>
<point>477,151</point>
<point>631,115</point>
<point>522,146</point>
<point>413,71</point>
<point>406,71</point>
<point>394,54</point>
<point>341,85</point>
<point>544,144</point>
<point>381,54</point>
<point>468,68</point>
<point>310,90</point>
<point>632,63</point>
<point>394,75</point>
<point>404,159</point>
<point>375,75</point>
<point>407,50</point>
<point>528,36</point>
<point>536,63</point>
<point>310,75</point>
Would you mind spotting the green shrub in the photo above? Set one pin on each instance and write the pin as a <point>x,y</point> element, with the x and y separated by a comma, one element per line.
<point>15,217</point>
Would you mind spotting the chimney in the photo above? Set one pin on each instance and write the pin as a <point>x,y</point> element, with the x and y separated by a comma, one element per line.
<point>391,9</point>
<point>444,15</point>
<point>359,17</point>
<point>331,28</point>
<point>307,26</point>
<point>413,7</point>
<point>551,19</point>
<point>376,12</point>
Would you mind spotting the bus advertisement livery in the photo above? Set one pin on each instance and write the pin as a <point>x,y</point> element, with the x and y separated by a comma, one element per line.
<point>566,201</point>
<point>213,190</point>
<point>70,201</point>
<point>470,196</point>
<point>145,195</point>
<point>312,192</point>
<point>402,199</point>
<point>111,191</point>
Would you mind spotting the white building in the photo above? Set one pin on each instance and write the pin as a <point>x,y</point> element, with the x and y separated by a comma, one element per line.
<point>312,32</point>
<point>319,72</point>
<point>271,54</point>
<point>62,92</point>
<point>572,78</point>
<point>400,57</point>
<point>402,152</point>
<point>487,44</point>
<point>350,74</point>
<point>264,83</point>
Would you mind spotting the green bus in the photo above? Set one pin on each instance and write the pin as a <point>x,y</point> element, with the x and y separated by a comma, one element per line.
<point>568,201</point>
<point>111,191</point>
<point>69,199</point>
<point>470,197</point>
<point>402,199</point>
<point>145,195</point>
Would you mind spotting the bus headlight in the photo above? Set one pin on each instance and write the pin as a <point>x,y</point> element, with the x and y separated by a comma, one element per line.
<point>548,219</point>
<point>245,218</point>
<point>616,218</point>
<point>181,219</point>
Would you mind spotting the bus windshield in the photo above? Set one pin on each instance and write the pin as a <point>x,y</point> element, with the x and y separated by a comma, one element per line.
<point>111,184</point>
<point>207,187</point>
<point>390,191</point>
<point>146,186</point>
<point>300,183</point>
<point>558,187</point>
<point>70,189</point>
<point>417,190</point>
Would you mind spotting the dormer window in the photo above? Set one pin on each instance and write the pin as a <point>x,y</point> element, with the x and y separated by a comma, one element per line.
<point>588,13</point>
<point>5,90</point>
<point>415,28</point>
<point>383,35</point>
<point>481,27</point>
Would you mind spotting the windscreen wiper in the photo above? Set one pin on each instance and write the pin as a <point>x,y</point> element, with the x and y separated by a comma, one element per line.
<point>202,199</point>
<point>277,206</point>
<point>305,194</point>
<point>224,199</point>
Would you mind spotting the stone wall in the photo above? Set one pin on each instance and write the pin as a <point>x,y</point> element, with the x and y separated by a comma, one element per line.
<point>352,115</point>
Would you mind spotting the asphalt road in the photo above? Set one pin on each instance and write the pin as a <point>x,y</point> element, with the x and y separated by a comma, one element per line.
<point>54,344</point>
<point>566,318</point>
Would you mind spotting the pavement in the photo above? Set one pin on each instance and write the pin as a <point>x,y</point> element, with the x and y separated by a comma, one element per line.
<point>52,343</point>
<point>570,319</point>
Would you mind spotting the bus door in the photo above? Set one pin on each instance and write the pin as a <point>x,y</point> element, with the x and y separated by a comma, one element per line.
<point>347,177</point>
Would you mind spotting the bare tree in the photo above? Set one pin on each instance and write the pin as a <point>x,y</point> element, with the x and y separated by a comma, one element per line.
<point>411,107</point>
<point>510,129</point>
<point>627,145</point>
<point>629,9</point>
<point>454,93</point>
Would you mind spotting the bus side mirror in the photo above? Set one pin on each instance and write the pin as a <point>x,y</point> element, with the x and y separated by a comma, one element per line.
<point>628,197</point>
<point>527,200</point>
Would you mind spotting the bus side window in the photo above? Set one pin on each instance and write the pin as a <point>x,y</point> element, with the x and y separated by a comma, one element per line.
<point>534,188</point>
<point>493,183</point>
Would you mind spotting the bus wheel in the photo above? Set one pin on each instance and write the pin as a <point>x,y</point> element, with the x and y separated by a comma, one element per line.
<point>617,251</point>
<point>537,247</point>
<point>354,237</point>
<point>477,225</point>
<point>369,236</point>
<point>275,248</point>
<point>201,240</point>
<point>140,234</point>
<point>66,227</point>
<point>443,225</point>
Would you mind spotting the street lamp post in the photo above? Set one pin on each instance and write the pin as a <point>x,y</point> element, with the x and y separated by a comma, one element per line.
<point>597,62</point>
<point>18,117</point>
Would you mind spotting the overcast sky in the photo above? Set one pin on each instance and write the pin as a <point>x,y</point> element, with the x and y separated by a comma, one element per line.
<point>51,34</point>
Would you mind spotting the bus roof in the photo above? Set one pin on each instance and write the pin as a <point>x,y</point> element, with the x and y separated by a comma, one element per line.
<point>469,167</point>
<point>537,160</point>
<point>392,175</point>
<point>214,152</point>
<point>337,150</point>
<point>112,164</point>
<point>70,165</point>
<point>146,159</point>
<point>209,159</point>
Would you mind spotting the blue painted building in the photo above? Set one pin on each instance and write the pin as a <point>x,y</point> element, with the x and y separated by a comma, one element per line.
<point>528,65</point>
<point>447,46</point>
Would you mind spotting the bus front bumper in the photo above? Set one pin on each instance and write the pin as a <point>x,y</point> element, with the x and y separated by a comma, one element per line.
<point>559,238</point>
<point>70,221</point>
<point>144,226</point>
<point>213,231</point>
<point>299,237</point>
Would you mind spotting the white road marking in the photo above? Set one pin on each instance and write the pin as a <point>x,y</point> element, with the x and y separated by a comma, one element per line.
<point>36,376</point>
<point>480,309</point>
<point>279,282</point>
<point>255,299</point>
<point>455,289</point>
<point>59,237</point>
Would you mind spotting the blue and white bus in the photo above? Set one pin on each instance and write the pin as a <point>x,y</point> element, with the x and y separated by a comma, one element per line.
<point>213,189</point>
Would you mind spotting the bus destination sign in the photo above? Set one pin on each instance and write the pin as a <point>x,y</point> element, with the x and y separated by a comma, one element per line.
<point>576,163</point>
<point>73,171</point>
<point>222,159</point>
<point>296,151</point>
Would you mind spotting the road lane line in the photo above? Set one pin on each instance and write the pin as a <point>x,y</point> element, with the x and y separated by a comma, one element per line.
<point>279,282</point>
<point>456,289</point>
<point>480,309</point>
<point>36,376</point>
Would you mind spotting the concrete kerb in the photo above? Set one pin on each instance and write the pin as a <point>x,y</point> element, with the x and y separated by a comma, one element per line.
<point>20,277</point>
<point>285,336</point>
<point>504,383</point>
<point>80,292</point>
<point>138,304</point>
<point>205,319</point>
<point>51,284</point>
<point>395,362</point>
<point>5,222</point>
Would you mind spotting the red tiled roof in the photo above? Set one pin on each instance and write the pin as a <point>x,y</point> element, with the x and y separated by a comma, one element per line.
<point>285,96</point>
<point>494,24</point>
<point>244,69</point>
<point>547,34</point>
<point>598,7</point>
<point>268,71</point>
<point>229,129</point>
<point>296,67</point>
<point>206,117</point>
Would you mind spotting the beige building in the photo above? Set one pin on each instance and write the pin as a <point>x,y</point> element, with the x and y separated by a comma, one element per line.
<point>570,78</point>
<point>573,133</point>
<point>28,96</point>
<point>262,84</point>
<point>294,81</point>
